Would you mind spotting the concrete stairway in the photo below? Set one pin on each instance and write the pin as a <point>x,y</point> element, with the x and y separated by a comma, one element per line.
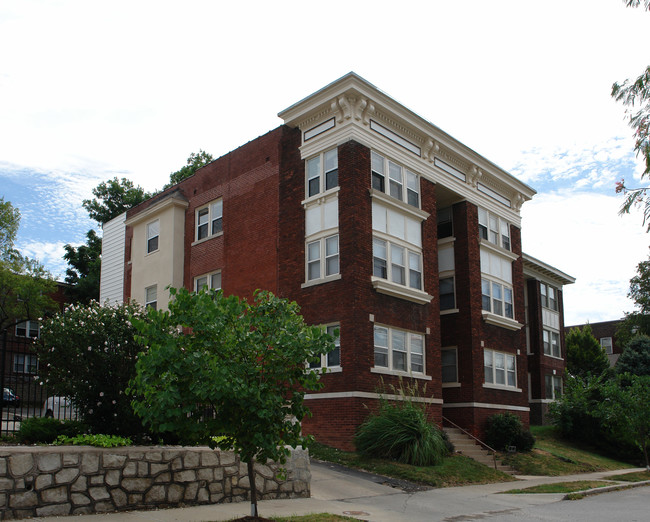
<point>467,446</point>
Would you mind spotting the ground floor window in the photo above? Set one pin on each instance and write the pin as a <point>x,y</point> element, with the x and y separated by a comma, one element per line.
<point>500,368</point>
<point>333,358</point>
<point>398,350</point>
<point>449,364</point>
<point>553,386</point>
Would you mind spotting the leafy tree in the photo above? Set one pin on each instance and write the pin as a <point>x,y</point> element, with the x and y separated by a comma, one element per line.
<point>636,96</point>
<point>112,198</point>
<point>194,163</point>
<point>88,353</point>
<point>637,322</point>
<point>625,410</point>
<point>84,269</point>
<point>635,358</point>
<point>236,374</point>
<point>584,355</point>
<point>25,286</point>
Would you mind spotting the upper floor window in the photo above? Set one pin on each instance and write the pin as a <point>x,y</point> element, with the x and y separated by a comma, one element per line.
<point>322,172</point>
<point>209,220</point>
<point>211,281</point>
<point>151,296</point>
<point>494,229</point>
<point>497,298</point>
<point>548,296</point>
<point>397,263</point>
<point>447,293</point>
<point>449,365</point>
<point>445,223</point>
<point>500,368</point>
<point>391,178</point>
<point>28,329</point>
<point>25,363</point>
<point>553,384</point>
<point>398,350</point>
<point>551,343</point>
<point>607,345</point>
<point>153,233</point>
<point>323,258</point>
<point>331,359</point>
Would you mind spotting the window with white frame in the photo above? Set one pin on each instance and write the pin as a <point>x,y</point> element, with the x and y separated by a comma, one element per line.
<point>322,239</point>
<point>28,329</point>
<point>497,298</point>
<point>395,180</point>
<point>153,233</point>
<point>322,173</point>
<point>209,220</point>
<point>323,258</point>
<point>551,343</point>
<point>211,281</point>
<point>553,385</point>
<point>548,295</point>
<point>494,229</point>
<point>500,368</point>
<point>447,294</point>
<point>398,350</point>
<point>25,363</point>
<point>449,365</point>
<point>607,345</point>
<point>331,359</point>
<point>151,296</point>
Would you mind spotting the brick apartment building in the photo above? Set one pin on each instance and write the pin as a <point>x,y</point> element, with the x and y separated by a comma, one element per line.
<point>377,223</point>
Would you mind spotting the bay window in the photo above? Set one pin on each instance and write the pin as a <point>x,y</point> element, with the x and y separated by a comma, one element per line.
<point>500,368</point>
<point>322,173</point>
<point>551,343</point>
<point>398,177</point>
<point>494,229</point>
<point>398,350</point>
<point>497,298</point>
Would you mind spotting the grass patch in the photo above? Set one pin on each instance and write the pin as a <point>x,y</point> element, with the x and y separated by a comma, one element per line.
<point>635,476</point>
<point>563,487</point>
<point>456,470</point>
<point>554,456</point>
<point>315,517</point>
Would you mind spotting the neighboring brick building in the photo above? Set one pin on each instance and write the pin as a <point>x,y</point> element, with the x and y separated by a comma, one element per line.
<point>605,333</point>
<point>376,222</point>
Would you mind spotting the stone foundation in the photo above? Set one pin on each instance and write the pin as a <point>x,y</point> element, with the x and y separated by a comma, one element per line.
<point>70,480</point>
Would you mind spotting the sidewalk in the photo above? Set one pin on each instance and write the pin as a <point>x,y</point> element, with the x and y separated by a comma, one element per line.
<point>359,495</point>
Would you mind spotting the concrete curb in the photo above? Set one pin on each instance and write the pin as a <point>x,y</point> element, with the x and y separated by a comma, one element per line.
<point>605,489</point>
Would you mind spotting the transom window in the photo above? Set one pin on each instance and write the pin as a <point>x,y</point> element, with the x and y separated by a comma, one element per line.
<point>25,363</point>
<point>553,385</point>
<point>153,233</point>
<point>211,281</point>
<point>551,343</point>
<point>151,297</point>
<point>494,229</point>
<point>449,364</point>
<point>497,298</point>
<point>28,329</point>
<point>500,368</point>
<point>331,359</point>
<point>209,220</point>
<point>322,172</point>
<point>323,258</point>
<point>391,178</point>
<point>399,350</point>
<point>397,263</point>
<point>549,296</point>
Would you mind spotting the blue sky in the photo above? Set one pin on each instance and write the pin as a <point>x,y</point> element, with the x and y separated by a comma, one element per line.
<point>90,91</point>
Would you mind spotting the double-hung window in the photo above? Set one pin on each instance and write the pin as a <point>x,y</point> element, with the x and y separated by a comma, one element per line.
<point>497,298</point>
<point>28,329</point>
<point>398,350</point>
<point>494,229</point>
<point>548,296</point>
<point>25,363</point>
<point>449,365</point>
<point>209,220</point>
<point>447,293</point>
<point>323,258</point>
<point>151,296</point>
<point>606,344</point>
<point>551,343</point>
<point>322,173</point>
<point>331,359</point>
<point>553,385</point>
<point>211,281</point>
<point>500,368</point>
<point>153,233</point>
<point>402,184</point>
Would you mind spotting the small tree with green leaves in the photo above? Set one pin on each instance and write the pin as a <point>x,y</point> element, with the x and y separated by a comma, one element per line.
<point>88,353</point>
<point>194,163</point>
<point>584,355</point>
<point>235,372</point>
<point>635,358</point>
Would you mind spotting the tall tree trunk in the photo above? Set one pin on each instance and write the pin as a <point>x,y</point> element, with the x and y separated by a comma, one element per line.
<point>251,480</point>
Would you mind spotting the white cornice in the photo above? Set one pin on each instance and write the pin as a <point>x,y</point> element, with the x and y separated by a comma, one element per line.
<point>540,270</point>
<point>156,208</point>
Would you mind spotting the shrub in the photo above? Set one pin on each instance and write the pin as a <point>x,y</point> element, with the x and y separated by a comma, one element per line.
<point>88,354</point>
<point>100,441</point>
<point>46,430</point>
<point>401,431</point>
<point>504,430</point>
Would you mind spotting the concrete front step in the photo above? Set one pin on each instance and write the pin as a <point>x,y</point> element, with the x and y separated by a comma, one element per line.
<point>465,445</point>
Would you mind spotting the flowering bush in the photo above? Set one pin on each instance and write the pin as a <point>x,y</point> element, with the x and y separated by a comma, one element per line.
<point>88,353</point>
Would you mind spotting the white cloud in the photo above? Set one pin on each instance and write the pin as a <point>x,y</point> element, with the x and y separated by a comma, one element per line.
<point>49,254</point>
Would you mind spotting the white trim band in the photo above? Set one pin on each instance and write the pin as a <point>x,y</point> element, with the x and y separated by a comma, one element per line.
<point>369,395</point>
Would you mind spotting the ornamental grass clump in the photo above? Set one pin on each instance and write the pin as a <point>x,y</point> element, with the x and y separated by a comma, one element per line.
<point>400,430</point>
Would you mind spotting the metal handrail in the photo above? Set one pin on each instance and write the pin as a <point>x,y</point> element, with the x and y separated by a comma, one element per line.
<point>494,452</point>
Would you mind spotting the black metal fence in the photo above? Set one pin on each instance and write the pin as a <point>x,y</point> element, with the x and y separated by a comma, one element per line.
<point>23,394</point>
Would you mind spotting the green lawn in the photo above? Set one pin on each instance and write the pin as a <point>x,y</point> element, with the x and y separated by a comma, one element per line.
<point>563,487</point>
<point>635,476</point>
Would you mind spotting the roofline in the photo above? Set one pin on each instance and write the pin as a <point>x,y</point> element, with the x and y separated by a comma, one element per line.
<point>546,269</point>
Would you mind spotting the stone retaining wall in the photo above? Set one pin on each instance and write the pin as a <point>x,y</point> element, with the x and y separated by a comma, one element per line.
<point>68,480</point>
